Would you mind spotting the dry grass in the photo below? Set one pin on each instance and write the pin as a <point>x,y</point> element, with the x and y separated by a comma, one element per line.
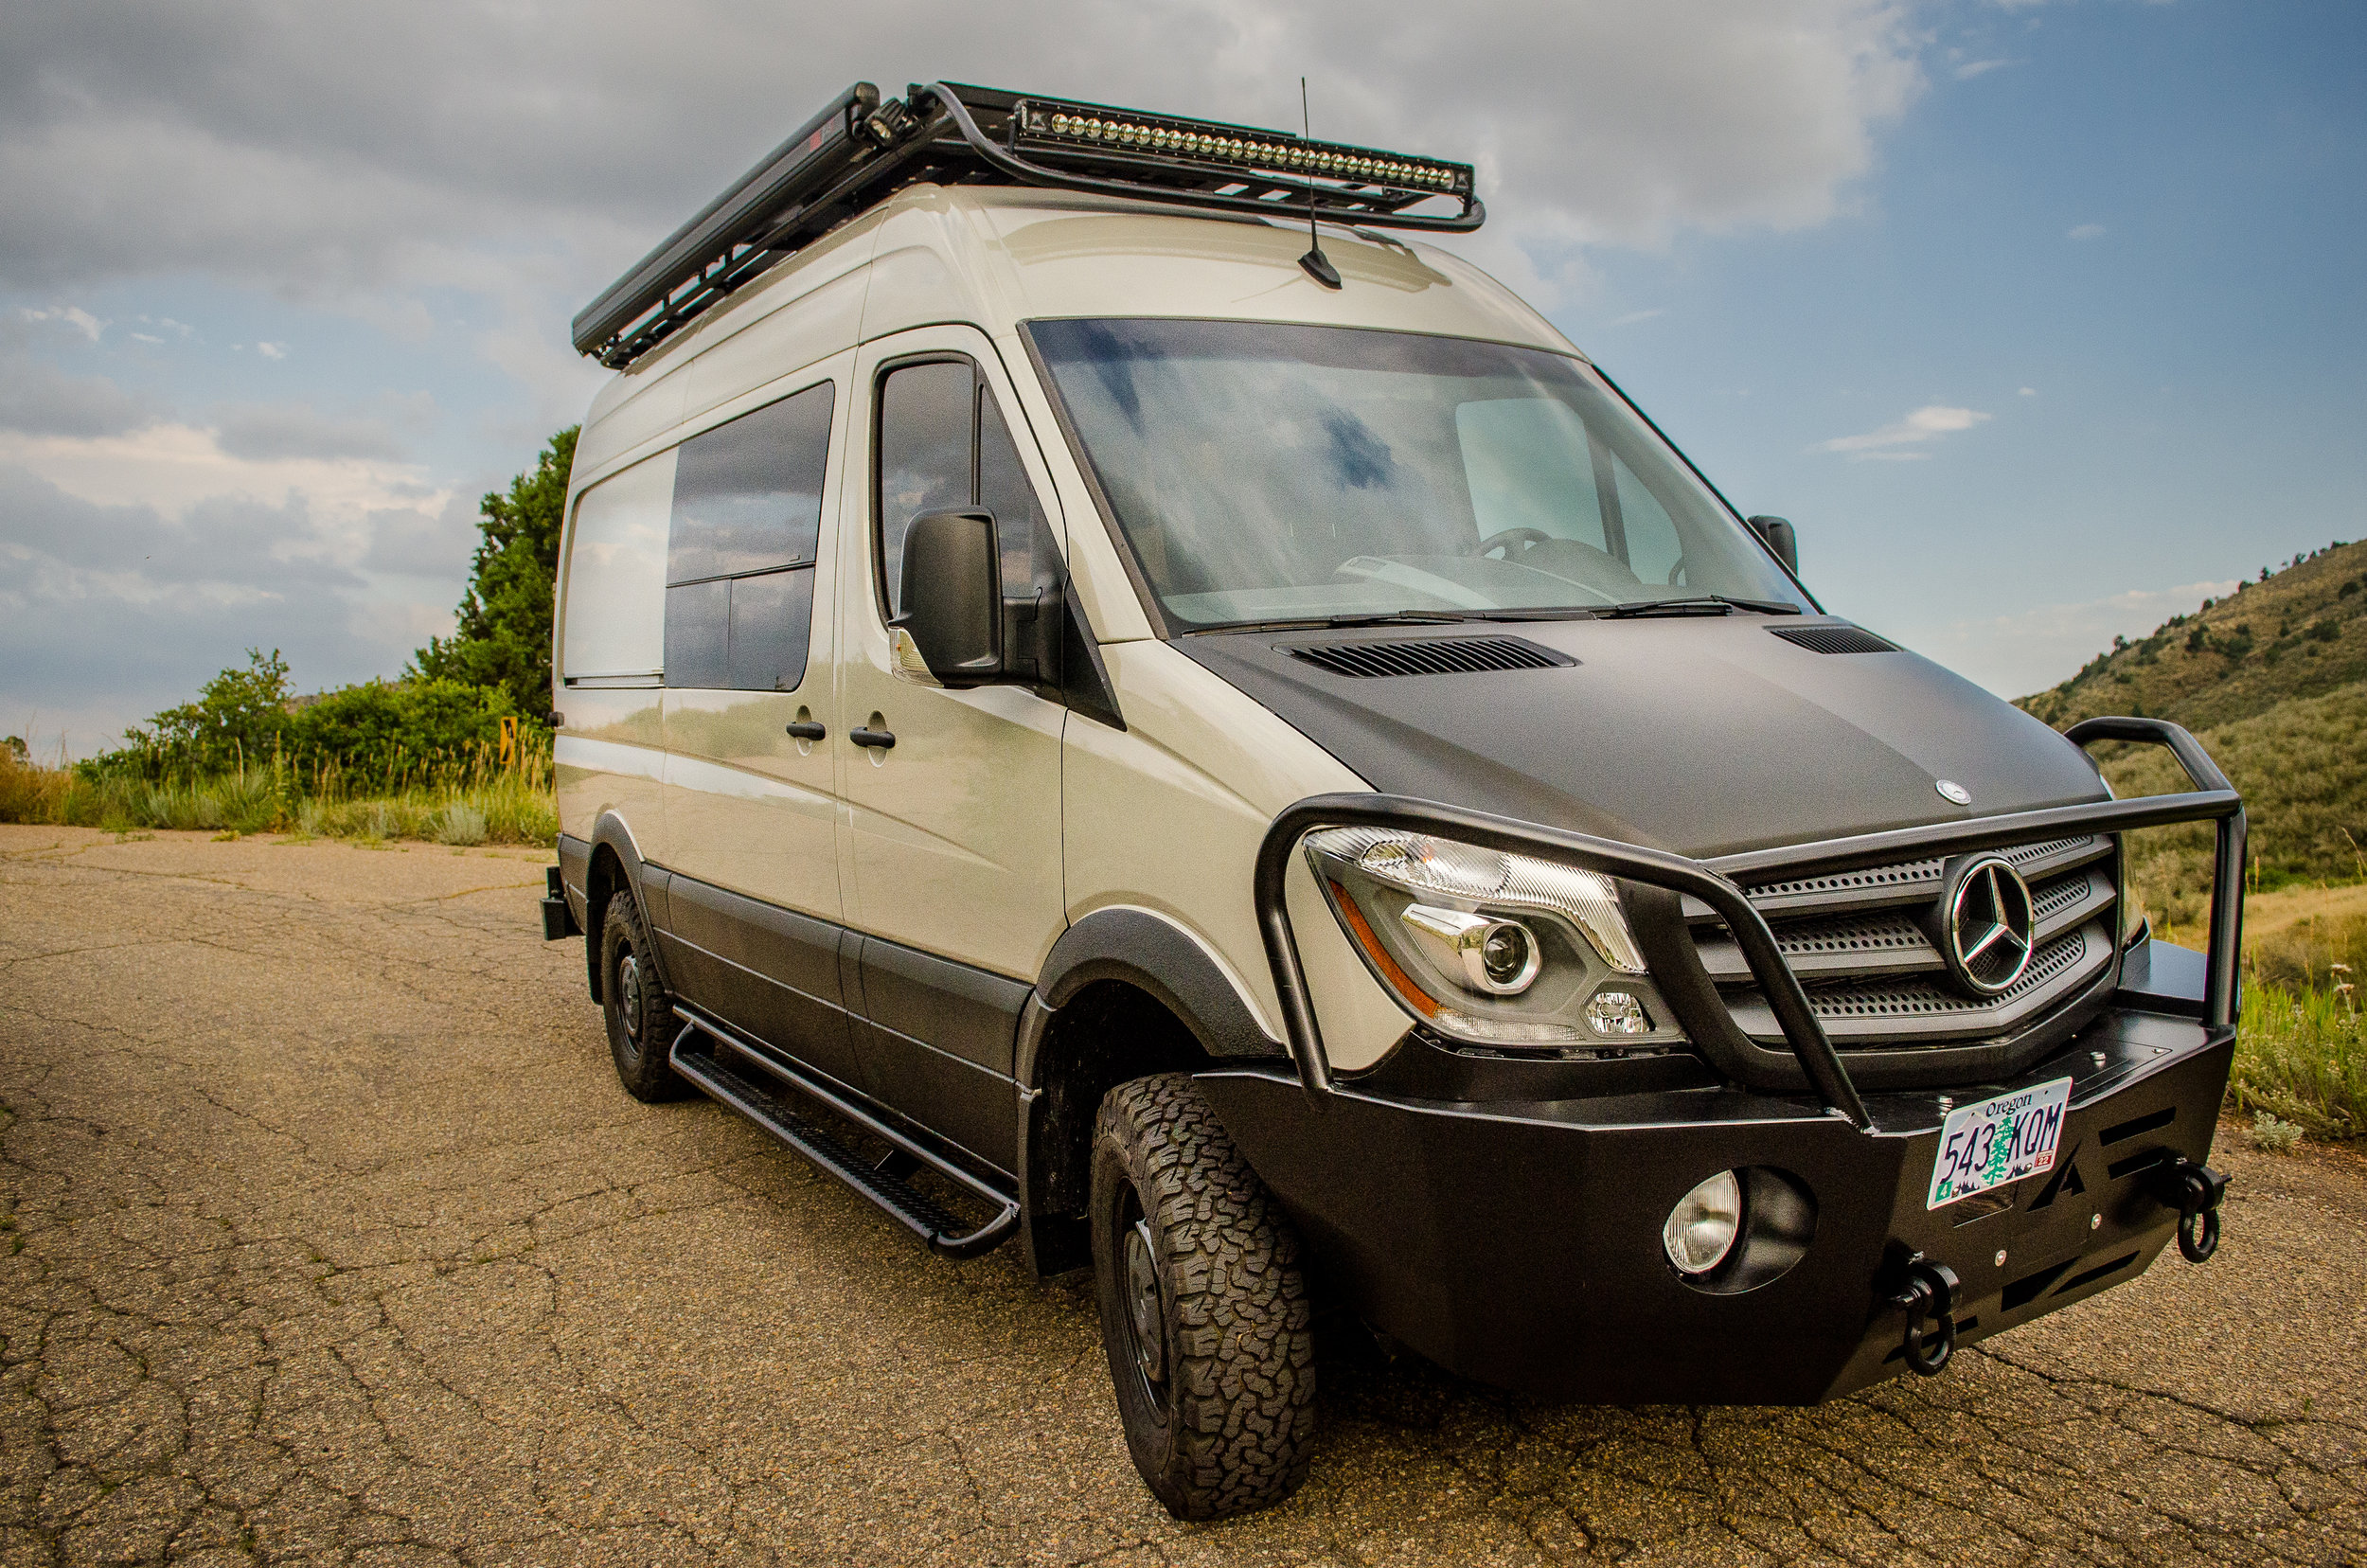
<point>484,805</point>
<point>2299,1056</point>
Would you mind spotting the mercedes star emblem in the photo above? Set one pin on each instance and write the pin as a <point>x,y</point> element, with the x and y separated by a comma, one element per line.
<point>1988,925</point>
<point>1951,790</point>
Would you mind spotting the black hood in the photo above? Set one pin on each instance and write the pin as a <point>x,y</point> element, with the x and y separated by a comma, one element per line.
<point>1700,735</point>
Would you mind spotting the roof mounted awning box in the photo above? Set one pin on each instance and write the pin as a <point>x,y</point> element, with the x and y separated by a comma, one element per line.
<point>860,150</point>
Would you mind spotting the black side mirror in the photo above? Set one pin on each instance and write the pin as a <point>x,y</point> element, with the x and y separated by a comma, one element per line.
<point>952,596</point>
<point>1780,539</point>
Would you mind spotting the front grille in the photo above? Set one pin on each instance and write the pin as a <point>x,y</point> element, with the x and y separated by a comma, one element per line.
<point>1865,946</point>
<point>1925,1000</point>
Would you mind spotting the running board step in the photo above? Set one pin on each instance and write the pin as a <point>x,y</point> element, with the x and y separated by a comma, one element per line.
<point>761,1087</point>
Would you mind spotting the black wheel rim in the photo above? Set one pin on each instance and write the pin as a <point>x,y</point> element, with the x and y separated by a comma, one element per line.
<point>1144,1317</point>
<point>628,1001</point>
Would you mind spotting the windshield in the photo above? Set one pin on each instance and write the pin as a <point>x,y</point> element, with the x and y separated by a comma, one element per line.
<point>1272,473</point>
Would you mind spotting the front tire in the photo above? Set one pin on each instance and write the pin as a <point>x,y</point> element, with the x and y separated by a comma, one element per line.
<point>1204,1310</point>
<point>639,1016</point>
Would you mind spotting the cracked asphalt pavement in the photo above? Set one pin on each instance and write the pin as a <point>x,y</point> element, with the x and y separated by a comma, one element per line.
<point>330,1239</point>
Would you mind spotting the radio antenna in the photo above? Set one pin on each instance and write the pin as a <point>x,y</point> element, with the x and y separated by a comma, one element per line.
<point>1318,265</point>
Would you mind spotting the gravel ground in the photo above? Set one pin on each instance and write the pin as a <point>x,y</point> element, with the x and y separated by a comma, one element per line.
<point>332,1239</point>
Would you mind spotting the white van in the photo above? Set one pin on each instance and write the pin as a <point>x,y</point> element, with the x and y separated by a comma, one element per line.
<point>1113,705</point>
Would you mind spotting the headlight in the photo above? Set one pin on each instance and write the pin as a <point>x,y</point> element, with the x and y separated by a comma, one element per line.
<point>1502,950</point>
<point>1499,957</point>
<point>1701,1230</point>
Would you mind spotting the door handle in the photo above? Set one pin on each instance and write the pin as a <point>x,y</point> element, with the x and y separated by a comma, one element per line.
<point>808,729</point>
<point>861,736</point>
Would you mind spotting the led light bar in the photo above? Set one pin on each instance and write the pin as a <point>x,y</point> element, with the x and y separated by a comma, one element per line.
<point>861,150</point>
<point>1051,124</point>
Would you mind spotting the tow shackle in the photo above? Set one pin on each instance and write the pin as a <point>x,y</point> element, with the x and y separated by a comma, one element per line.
<point>2194,1190</point>
<point>1929,1291</point>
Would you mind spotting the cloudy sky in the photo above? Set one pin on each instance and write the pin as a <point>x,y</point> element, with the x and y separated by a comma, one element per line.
<point>2042,318</point>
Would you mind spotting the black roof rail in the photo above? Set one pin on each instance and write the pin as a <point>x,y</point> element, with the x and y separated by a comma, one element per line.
<point>861,150</point>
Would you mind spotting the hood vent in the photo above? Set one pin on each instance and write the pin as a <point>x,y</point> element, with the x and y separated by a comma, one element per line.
<point>1432,657</point>
<point>1834,640</point>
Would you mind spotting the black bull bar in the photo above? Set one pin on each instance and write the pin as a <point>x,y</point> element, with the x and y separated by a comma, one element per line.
<point>1504,1240</point>
<point>1717,883</point>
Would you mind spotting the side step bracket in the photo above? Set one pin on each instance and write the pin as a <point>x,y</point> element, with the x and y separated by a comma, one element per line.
<point>759,1086</point>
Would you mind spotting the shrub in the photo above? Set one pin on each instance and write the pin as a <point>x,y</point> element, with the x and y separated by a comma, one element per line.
<point>2271,1136</point>
<point>460,822</point>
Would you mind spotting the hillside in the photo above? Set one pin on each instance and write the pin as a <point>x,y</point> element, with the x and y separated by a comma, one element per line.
<point>2273,680</point>
<point>2302,633</point>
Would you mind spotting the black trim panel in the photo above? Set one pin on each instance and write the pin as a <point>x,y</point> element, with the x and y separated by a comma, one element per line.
<point>936,1039</point>
<point>952,1098</point>
<point>780,944</point>
<point>972,1013</point>
<point>767,971</point>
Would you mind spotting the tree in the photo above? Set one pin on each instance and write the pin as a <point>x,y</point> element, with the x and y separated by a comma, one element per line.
<point>238,719</point>
<point>503,635</point>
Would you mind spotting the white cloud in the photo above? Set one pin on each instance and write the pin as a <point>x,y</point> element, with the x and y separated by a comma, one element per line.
<point>174,469</point>
<point>271,351</point>
<point>1904,440</point>
<point>2087,231</point>
<point>2026,392</point>
<point>340,149</point>
<point>72,315</point>
<point>1971,68</point>
<point>2013,655</point>
<point>1634,317</point>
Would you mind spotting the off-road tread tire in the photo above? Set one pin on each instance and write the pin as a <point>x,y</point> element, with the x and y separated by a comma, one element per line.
<point>1240,1395</point>
<point>651,1077</point>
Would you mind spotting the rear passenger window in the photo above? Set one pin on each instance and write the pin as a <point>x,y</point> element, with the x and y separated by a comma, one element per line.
<point>944,447</point>
<point>747,518</point>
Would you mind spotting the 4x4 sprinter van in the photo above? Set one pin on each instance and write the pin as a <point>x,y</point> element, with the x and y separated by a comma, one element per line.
<point>1114,706</point>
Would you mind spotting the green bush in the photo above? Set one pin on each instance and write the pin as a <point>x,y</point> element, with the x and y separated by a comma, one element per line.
<point>377,737</point>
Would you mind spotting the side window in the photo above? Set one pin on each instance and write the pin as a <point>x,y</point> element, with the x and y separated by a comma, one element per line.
<point>943,446</point>
<point>747,516</point>
<point>617,574</point>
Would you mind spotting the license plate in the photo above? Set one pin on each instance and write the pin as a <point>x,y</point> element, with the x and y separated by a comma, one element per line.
<point>1997,1141</point>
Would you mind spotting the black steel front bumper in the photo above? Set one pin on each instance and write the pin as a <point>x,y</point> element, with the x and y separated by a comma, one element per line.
<point>1518,1241</point>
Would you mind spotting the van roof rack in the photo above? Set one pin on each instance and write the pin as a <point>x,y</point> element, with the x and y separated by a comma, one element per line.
<point>861,150</point>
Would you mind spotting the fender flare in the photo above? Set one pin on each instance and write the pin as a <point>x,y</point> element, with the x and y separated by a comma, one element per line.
<point>611,832</point>
<point>1158,956</point>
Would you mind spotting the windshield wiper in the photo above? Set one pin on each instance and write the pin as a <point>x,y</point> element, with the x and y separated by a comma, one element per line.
<point>1315,623</point>
<point>1697,604</point>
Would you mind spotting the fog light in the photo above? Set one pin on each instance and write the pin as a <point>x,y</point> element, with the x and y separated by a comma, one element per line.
<point>1617,1013</point>
<point>1702,1228</point>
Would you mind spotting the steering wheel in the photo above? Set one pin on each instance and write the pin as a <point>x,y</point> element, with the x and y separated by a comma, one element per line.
<point>1511,537</point>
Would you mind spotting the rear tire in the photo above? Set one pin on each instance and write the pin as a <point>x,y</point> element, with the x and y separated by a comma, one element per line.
<point>639,1015</point>
<point>1205,1311</point>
